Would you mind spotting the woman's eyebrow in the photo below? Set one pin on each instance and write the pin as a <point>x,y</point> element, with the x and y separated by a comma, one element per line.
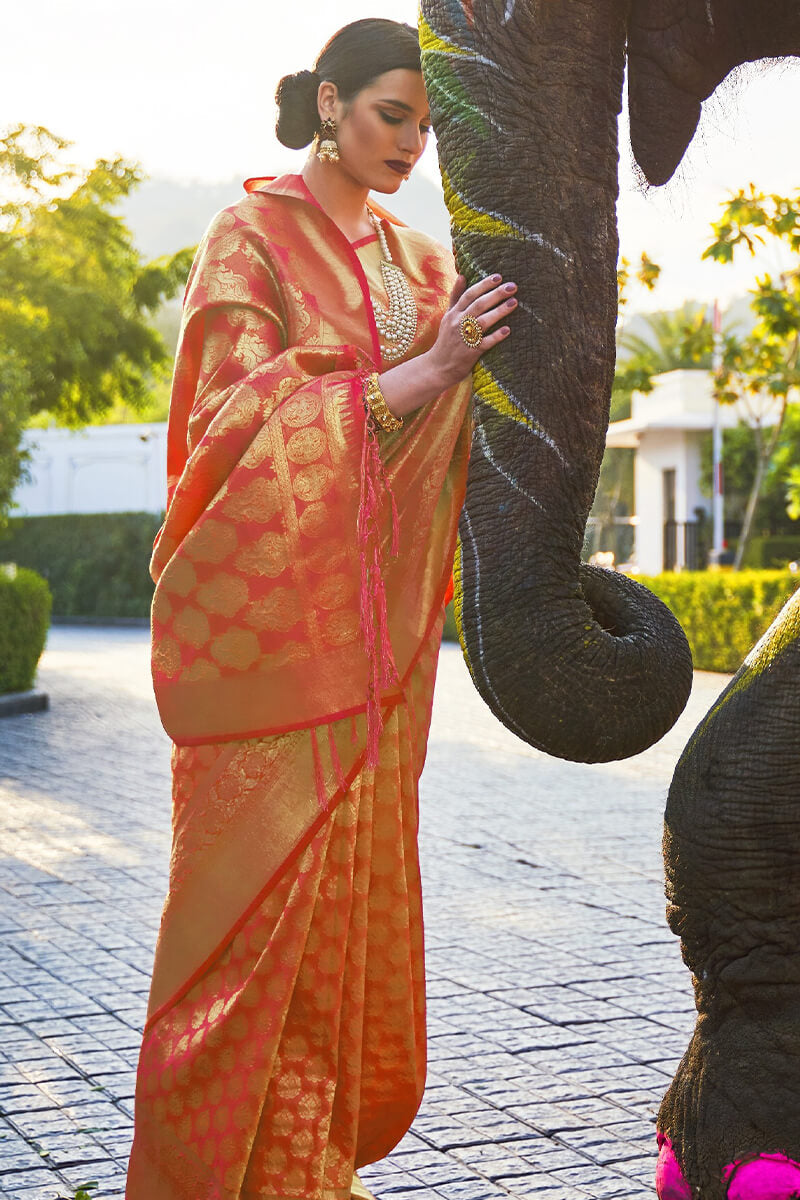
<point>405,107</point>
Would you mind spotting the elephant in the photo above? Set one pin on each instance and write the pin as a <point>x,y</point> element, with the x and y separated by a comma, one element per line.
<point>583,663</point>
<point>732,855</point>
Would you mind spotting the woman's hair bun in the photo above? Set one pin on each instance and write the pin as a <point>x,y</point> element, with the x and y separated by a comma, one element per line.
<point>298,116</point>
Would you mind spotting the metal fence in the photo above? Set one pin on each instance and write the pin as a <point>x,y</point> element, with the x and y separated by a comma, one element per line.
<point>685,546</point>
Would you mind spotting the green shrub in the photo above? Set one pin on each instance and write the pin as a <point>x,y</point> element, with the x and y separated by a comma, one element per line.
<point>96,563</point>
<point>771,552</point>
<point>24,619</point>
<point>723,613</point>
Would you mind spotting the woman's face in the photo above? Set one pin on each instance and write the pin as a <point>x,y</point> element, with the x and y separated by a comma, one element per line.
<point>383,130</point>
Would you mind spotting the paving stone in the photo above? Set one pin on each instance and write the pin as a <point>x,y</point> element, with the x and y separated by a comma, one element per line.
<point>470,1189</point>
<point>444,1172</point>
<point>537,1184</point>
<point>30,1186</point>
<point>551,1156</point>
<point>558,1003</point>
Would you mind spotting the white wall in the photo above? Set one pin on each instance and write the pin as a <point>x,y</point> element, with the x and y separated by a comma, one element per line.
<point>105,468</point>
<point>675,395</point>
<point>659,450</point>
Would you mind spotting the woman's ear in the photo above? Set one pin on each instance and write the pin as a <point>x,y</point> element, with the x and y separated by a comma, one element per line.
<point>327,96</point>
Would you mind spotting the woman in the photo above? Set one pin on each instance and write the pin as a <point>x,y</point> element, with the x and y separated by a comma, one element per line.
<point>318,443</point>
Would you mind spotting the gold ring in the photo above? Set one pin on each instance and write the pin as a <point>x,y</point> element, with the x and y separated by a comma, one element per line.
<point>471,332</point>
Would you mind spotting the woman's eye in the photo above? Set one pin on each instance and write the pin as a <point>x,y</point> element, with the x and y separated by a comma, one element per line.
<point>391,120</point>
<point>425,129</point>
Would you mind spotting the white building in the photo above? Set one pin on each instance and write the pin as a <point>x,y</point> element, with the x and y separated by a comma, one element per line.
<point>104,468</point>
<point>666,428</point>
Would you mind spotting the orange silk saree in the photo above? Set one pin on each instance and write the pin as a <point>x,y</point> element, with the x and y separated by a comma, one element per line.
<point>300,579</point>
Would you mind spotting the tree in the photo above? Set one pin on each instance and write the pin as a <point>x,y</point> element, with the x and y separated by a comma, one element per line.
<point>671,341</point>
<point>793,493</point>
<point>13,415</point>
<point>76,297</point>
<point>740,455</point>
<point>761,370</point>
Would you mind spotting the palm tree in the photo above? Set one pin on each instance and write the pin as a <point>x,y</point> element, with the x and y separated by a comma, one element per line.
<point>671,341</point>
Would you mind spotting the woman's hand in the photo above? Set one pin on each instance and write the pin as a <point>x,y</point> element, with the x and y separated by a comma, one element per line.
<point>419,380</point>
<point>488,301</point>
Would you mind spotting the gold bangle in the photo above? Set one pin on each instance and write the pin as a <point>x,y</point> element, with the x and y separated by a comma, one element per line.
<point>375,402</point>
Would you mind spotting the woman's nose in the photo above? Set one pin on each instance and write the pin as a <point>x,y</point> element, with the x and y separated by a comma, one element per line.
<point>412,141</point>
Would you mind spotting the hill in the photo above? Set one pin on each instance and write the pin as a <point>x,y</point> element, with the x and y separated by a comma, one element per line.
<point>166,215</point>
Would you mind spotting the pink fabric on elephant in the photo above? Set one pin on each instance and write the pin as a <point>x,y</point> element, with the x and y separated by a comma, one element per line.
<point>768,1177</point>
<point>670,1181</point>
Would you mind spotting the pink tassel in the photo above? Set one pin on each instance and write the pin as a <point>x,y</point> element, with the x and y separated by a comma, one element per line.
<point>374,617</point>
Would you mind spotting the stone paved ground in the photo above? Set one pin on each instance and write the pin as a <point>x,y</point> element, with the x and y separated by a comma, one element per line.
<point>558,1004</point>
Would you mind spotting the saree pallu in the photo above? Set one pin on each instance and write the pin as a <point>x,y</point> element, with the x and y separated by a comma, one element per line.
<point>285,1040</point>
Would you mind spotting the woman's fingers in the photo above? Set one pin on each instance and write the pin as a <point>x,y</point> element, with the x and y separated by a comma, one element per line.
<point>458,291</point>
<point>473,293</point>
<point>491,339</point>
<point>499,299</point>
<point>489,301</point>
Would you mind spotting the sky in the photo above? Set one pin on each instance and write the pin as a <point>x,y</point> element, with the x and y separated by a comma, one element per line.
<point>187,90</point>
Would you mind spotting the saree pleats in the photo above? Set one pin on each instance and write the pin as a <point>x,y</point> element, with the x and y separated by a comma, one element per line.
<point>298,1053</point>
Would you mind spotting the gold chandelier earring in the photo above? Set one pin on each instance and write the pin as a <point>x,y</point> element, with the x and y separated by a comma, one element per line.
<point>328,150</point>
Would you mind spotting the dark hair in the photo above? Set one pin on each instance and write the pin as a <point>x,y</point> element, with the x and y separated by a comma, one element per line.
<point>354,56</point>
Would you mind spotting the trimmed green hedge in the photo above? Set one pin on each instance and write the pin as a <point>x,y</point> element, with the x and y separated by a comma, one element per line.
<point>96,563</point>
<point>765,553</point>
<point>24,620</point>
<point>723,613</point>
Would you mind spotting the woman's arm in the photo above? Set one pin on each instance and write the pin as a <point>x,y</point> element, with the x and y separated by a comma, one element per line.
<point>416,382</point>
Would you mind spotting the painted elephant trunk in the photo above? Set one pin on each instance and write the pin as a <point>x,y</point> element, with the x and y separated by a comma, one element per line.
<point>582,663</point>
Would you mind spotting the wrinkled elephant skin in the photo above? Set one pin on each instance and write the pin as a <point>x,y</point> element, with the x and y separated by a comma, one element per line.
<point>525,96</point>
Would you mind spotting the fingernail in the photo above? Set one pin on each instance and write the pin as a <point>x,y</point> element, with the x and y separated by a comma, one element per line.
<point>496,278</point>
<point>505,331</point>
<point>511,304</point>
<point>511,287</point>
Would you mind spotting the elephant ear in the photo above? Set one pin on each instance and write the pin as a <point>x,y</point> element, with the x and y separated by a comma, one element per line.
<point>678,53</point>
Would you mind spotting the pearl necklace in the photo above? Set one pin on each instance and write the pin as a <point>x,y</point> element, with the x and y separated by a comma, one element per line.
<point>399,324</point>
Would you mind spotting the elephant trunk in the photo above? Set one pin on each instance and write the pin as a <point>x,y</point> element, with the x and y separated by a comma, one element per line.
<point>525,96</point>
